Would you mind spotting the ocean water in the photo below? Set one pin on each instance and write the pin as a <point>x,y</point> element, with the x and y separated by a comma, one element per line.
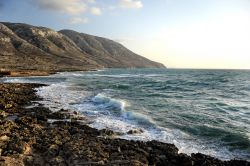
<point>205,111</point>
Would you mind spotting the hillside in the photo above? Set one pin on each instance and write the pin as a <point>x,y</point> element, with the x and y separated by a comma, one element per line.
<point>27,47</point>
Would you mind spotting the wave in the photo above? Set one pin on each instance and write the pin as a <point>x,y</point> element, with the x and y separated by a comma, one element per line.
<point>121,86</point>
<point>173,88</point>
<point>109,103</point>
<point>117,108</point>
<point>15,80</point>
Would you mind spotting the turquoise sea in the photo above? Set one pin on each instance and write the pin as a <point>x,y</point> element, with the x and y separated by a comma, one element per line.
<point>205,111</point>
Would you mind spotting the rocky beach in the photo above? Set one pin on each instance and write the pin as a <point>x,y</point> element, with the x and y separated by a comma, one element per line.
<point>34,135</point>
<point>124,83</point>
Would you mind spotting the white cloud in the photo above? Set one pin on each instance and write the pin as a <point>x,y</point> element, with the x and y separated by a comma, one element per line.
<point>76,8</point>
<point>91,1</point>
<point>78,20</point>
<point>95,11</point>
<point>65,6</point>
<point>124,40</point>
<point>131,4</point>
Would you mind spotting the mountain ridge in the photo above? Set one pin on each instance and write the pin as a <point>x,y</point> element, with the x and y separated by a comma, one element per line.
<point>28,47</point>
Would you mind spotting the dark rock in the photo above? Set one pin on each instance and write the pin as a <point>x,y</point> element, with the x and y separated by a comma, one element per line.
<point>135,131</point>
<point>107,132</point>
<point>11,118</point>
<point>53,150</point>
<point>238,163</point>
<point>58,115</point>
<point>1,106</point>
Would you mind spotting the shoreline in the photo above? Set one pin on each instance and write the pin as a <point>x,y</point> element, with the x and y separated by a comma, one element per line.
<point>38,136</point>
<point>30,73</point>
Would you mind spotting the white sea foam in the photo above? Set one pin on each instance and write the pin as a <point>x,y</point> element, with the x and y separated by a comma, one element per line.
<point>184,142</point>
<point>57,96</point>
<point>15,80</point>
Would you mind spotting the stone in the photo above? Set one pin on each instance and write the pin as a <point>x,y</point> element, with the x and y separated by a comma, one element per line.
<point>8,106</point>
<point>1,106</point>
<point>4,138</point>
<point>135,131</point>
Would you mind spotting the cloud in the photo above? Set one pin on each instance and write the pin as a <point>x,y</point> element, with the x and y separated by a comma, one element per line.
<point>95,11</point>
<point>131,4</point>
<point>78,20</point>
<point>91,1</point>
<point>72,7</point>
<point>65,6</point>
<point>75,9</point>
<point>124,40</point>
<point>78,7</point>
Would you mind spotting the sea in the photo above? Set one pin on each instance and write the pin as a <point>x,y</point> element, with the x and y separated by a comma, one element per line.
<point>206,111</point>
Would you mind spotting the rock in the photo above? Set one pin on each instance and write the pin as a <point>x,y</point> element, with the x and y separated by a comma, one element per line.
<point>58,160</point>
<point>135,131</point>
<point>42,118</point>
<point>58,115</point>
<point>63,111</point>
<point>1,106</point>
<point>27,149</point>
<point>8,106</point>
<point>9,161</point>
<point>119,149</point>
<point>11,118</point>
<point>73,130</point>
<point>106,132</point>
<point>4,138</point>
<point>53,150</point>
<point>26,120</point>
<point>76,113</point>
<point>3,114</point>
<point>238,163</point>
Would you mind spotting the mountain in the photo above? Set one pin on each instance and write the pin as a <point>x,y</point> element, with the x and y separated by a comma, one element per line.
<point>27,47</point>
<point>107,52</point>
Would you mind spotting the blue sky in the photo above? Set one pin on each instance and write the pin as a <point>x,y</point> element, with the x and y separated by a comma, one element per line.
<point>178,33</point>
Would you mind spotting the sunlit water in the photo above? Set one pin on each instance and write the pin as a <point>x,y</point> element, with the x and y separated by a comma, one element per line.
<point>205,111</point>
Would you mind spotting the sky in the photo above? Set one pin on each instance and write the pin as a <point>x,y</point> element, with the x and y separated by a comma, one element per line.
<point>177,33</point>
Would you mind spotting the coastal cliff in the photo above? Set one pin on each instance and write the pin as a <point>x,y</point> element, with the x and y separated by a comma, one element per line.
<point>27,47</point>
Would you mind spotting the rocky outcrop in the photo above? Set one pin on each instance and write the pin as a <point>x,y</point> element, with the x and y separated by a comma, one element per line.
<point>27,47</point>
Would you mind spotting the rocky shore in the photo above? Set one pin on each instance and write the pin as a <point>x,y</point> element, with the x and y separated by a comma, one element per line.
<point>25,73</point>
<point>38,136</point>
